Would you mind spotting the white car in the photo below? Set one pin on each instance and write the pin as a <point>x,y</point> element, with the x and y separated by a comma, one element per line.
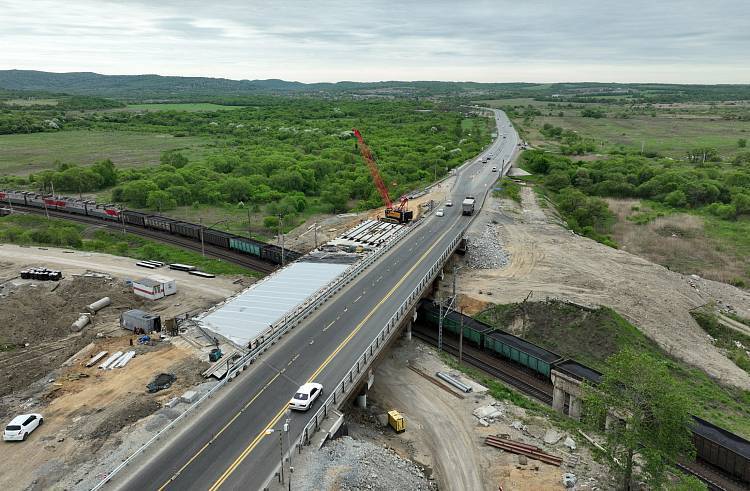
<point>439,213</point>
<point>20,427</point>
<point>305,396</point>
<point>449,203</point>
<point>494,169</point>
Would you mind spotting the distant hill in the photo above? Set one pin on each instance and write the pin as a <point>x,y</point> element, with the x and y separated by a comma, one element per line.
<point>157,87</point>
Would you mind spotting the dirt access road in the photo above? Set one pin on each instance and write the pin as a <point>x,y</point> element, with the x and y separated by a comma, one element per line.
<point>78,262</point>
<point>444,435</point>
<point>547,260</point>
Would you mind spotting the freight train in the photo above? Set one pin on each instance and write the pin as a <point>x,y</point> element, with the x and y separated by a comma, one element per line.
<point>244,245</point>
<point>714,445</point>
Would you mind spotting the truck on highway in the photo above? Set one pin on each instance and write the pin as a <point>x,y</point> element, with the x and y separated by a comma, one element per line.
<point>467,206</point>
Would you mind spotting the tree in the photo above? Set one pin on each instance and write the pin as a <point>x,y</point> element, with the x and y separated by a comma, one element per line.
<point>742,142</point>
<point>652,412</point>
<point>676,199</point>
<point>160,200</point>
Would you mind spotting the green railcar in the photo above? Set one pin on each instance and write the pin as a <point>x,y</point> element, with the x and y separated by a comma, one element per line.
<point>520,351</point>
<point>452,324</point>
<point>240,244</point>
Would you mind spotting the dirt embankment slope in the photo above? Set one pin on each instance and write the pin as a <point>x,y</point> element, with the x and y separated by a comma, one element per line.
<point>547,260</point>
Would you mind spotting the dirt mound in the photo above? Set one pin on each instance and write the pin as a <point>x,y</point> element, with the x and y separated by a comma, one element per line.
<point>44,311</point>
<point>40,315</point>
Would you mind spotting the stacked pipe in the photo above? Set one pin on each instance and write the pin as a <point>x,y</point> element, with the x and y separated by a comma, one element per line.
<point>529,451</point>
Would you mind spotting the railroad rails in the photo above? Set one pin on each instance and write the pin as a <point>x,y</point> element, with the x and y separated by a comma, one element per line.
<point>183,242</point>
<point>257,254</point>
<point>504,371</point>
<point>723,458</point>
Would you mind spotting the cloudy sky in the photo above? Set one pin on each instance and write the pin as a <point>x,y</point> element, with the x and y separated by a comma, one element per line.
<point>694,41</point>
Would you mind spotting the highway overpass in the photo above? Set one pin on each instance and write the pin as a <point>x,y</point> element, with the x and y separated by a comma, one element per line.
<point>224,445</point>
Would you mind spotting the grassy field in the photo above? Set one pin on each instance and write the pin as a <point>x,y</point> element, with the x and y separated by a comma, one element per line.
<point>30,102</point>
<point>668,129</point>
<point>37,230</point>
<point>197,106</point>
<point>591,337</point>
<point>23,154</point>
<point>668,135</point>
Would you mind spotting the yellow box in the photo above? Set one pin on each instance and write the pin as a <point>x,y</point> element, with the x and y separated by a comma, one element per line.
<point>397,421</point>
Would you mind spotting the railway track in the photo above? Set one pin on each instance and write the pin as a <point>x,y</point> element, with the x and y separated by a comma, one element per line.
<point>716,481</point>
<point>183,242</point>
<point>498,369</point>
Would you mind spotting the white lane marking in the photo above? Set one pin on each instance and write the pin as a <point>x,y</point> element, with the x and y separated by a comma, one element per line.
<point>329,325</point>
<point>355,300</point>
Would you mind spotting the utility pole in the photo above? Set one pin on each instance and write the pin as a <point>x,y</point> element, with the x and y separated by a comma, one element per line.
<point>122,219</point>
<point>315,233</point>
<point>643,145</point>
<point>281,236</point>
<point>281,451</point>
<point>461,338</point>
<point>248,220</point>
<point>289,448</point>
<point>440,327</point>
<point>203,248</point>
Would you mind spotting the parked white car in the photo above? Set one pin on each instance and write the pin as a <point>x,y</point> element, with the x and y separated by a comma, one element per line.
<point>449,203</point>
<point>494,169</point>
<point>21,426</point>
<point>439,213</point>
<point>305,396</point>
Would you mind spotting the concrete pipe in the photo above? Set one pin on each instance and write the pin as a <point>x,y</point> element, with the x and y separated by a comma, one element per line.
<point>99,305</point>
<point>80,323</point>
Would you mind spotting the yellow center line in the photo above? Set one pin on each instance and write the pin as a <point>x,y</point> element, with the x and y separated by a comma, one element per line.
<point>322,366</point>
<point>204,447</point>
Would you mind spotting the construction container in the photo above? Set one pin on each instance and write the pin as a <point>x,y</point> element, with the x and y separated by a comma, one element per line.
<point>397,421</point>
<point>140,321</point>
<point>154,287</point>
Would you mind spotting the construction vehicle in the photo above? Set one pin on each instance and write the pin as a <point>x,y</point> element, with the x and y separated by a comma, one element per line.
<point>393,214</point>
<point>467,206</point>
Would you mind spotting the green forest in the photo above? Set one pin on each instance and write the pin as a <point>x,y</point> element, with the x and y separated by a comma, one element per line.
<point>273,156</point>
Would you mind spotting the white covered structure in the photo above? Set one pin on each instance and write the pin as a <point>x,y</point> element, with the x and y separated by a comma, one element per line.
<point>250,314</point>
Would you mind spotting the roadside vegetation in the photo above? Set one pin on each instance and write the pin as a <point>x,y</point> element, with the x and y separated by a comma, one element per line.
<point>591,337</point>
<point>29,230</point>
<point>666,178</point>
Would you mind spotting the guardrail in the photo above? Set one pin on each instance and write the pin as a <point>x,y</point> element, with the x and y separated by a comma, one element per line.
<point>351,379</point>
<point>279,330</point>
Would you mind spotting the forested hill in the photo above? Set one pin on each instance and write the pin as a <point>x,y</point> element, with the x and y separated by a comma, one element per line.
<point>156,86</point>
<point>226,91</point>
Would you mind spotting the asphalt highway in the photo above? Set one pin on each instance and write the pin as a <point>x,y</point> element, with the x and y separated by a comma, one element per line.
<point>225,445</point>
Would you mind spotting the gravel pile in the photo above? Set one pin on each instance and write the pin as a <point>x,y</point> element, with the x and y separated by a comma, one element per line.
<point>349,464</point>
<point>485,251</point>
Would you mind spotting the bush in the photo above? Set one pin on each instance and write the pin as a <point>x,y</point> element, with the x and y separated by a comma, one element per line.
<point>676,199</point>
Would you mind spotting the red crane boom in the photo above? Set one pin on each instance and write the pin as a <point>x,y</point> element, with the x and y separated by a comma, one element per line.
<point>367,155</point>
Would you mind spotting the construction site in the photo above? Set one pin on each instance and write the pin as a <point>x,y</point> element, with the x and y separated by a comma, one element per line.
<point>46,360</point>
<point>113,354</point>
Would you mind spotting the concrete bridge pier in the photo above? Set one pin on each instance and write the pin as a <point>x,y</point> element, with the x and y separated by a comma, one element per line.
<point>566,389</point>
<point>362,396</point>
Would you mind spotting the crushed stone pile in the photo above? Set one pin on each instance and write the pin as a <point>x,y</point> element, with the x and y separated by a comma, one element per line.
<point>485,250</point>
<point>349,464</point>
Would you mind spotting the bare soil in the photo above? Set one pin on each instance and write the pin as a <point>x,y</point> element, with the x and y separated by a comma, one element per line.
<point>442,433</point>
<point>85,409</point>
<point>546,260</point>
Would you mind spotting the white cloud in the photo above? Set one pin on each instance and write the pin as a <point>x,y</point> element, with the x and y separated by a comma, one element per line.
<point>544,40</point>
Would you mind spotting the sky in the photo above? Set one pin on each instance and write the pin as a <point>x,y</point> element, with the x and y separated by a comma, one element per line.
<point>672,41</point>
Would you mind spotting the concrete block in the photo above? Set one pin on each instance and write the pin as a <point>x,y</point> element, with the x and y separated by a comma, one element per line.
<point>172,402</point>
<point>189,396</point>
<point>551,437</point>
